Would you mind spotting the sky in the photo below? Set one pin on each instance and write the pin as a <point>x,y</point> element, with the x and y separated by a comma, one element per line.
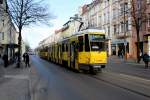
<point>62,9</point>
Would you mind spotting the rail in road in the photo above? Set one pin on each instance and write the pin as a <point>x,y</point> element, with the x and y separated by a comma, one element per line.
<point>130,83</point>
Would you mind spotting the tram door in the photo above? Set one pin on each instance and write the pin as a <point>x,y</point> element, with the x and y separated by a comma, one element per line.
<point>72,54</point>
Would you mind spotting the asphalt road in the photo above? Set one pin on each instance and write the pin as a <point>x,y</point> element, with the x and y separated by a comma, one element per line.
<point>58,83</point>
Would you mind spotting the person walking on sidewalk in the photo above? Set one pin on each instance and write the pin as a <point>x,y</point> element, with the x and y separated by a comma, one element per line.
<point>121,53</point>
<point>24,57</point>
<point>27,60</point>
<point>140,57</point>
<point>146,59</point>
<point>5,59</point>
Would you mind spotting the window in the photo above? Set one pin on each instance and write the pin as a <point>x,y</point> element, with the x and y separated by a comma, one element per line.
<point>100,21</point>
<point>115,29</point>
<point>2,35</point>
<point>63,48</point>
<point>1,1</point>
<point>80,38</point>
<point>126,6</point>
<point>148,1</point>
<point>122,27</point>
<point>108,31</point>
<point>114,13</point>
<point>66,47</point>
<point>87,48</point>
<point>122,9</point>
<point>97,46</point>
<point>3,22</point>
<point>96,37</point>
<point>118,28</point>
<point>104,18</point>
<point>127,27</point>
<point>140,23</point>
<point>139,4</point>
<point>148,20</point>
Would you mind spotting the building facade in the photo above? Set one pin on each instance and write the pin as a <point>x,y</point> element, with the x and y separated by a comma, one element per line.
<point>147,29</point>
<point>116,17</point>
<point>8,34</point>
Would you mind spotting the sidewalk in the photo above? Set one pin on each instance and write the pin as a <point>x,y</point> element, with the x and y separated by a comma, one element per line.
<point>14,83</point>
<point>20,83</point>
<point>116,59</point>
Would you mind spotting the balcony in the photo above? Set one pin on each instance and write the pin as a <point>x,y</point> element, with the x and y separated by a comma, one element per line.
<point>123,35</point>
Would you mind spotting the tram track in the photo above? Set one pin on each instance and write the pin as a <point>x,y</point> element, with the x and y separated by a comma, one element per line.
<point>125,87</point>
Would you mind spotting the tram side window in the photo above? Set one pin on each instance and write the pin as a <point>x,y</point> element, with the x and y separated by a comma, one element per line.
<point>87,48</point>
<point>66,47</point>
<point>80,43</point>
<point>63,48</point>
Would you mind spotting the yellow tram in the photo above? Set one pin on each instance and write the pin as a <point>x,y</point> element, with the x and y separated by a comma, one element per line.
<point>85,50</point>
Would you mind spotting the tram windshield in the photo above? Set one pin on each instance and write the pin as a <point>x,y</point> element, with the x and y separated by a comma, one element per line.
<point>97,46</point>
<point>97,42</point>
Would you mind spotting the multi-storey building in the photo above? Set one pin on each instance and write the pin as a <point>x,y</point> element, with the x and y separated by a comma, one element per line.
<point>114,16</point>
<point>8,33</point>
<point>121,27</point>
<point>98,15</point>
<point>106,21</point>
<point>147,28</point>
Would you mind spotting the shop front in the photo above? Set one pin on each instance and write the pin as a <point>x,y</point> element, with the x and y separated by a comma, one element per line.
<point>118,47</point>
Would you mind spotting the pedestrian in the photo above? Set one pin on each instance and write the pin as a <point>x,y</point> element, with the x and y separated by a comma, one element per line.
<point>5,59</point>
<point>140,57</point>
<point>121,53</point>
<point>27,60</point>
<point>16,57</point>
<point>24,57</point>
<point>146,59</point>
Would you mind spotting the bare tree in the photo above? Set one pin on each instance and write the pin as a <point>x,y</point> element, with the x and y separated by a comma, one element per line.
<point>139,17</point>
<point>25,12</point>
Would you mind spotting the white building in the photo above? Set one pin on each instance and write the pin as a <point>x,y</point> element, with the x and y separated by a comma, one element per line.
<point>8,33</point>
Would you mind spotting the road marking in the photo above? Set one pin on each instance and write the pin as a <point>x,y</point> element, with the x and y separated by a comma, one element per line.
<point>127,76</point>
<point>134,63</point>
<point>134,77</point>
<point>16,76</point>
